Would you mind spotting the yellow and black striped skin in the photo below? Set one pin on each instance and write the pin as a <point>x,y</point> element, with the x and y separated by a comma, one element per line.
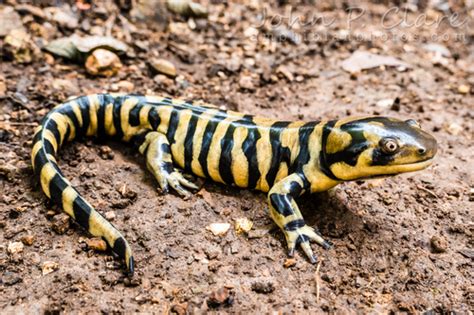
<point>285,159</point>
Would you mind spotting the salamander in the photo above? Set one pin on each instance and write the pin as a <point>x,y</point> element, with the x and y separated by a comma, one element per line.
<point>284,159</point>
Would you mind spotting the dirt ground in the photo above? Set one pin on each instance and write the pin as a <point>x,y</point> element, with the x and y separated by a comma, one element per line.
<point>400,244</point>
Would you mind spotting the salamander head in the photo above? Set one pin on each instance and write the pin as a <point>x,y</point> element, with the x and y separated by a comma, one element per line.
<point>370,147</point>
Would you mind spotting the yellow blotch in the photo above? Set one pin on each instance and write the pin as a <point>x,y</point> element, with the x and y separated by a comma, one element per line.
<point>47,134</point>
<point>61,123</point>
<point>264,154</point>
<point>337,141</point>
<point>144,122</point>
<point>93,109</point>
<point>240,164</point>
<point>68,196</point>
<point>177,148</point>
<point>47,173</point>
<point>197,143</point>
<point>213,156</point>
<point>98,226</point>
<point>109,120</point>
<point>127,105</point>
<point>77,112</point>
<point>38,145</point>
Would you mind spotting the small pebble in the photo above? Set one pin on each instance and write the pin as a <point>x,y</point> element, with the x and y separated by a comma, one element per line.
<point>28,239</point>
<point>110,215</point>
<point>97,244</point>
<point>289,262</point>
<point>49,266</point>
<point>463,89</point>
<point>15,247</point>
<point>218,229</point>
<point>263,287</point>
<point>243,225</point>
<point>438,244</point>
<point>103,62</point>
<point>61,223</point>
<point>221,296</point>
<point>163,66</point>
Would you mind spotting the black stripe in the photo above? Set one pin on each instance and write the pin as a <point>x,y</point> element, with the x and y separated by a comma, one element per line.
<point>225,161</point>
<point>53,127</point>
<point>118,101</point>
<point>172,126</point>
<point>82,212</point>
<point>249,147</point>
<point>40,160</point>
<point>323,162</point>
<point>294,225</point>
<point>302,238</point>
<point>101,133</point>
<point>188,141</point>
<point>206,142</point>
<point>83,103</point>
<point>120,247</point>
<point>279,154</point>
<point>282,204</point>
<point>67,111</point>
<point>154,118</point>
<point>134,115</point>
<point>303,139</point>
<point>56,188</point>
<point>48,146</point>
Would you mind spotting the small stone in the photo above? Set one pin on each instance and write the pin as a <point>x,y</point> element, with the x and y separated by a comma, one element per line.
<point>103,62</point>
<point>438,244</point>
<point>464,89</point>
<point>61,223</point>
<point>66,86</point>
<point>15,247</point>
<point>289,262</point>
<point>9,20</point>
<point>110,215</point>
<point>221,296</point>
<point>3,89</point>
<point>125,86</point>
<point>163,66</point>
<point>97,244</point>
<point>48,267</point>
<point>28,239</point>
<point>218,229</point>
<point>454,129</point>
<point>285,72</point>
<point>243,225</point>
<point>263,287</point>
<point>10,278</point>
<point>385,103</point>
<point>246,83</point>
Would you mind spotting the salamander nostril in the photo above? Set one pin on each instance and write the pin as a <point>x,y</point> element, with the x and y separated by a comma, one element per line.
<point>421,150</point>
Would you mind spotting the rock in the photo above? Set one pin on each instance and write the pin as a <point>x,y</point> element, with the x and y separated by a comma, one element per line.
<point>61,223</point>
<point>285,72</point>
<point>97,244</point>
<point>454,129</point>
<point>3,89</point>
<point>464,89</point>
<point>15,248</point>
<point>246,82</point>
<point>363,60</point>
<point>28,239</point>
<point>126,86</point>
<point>9,20</point>
<point>221,296</point>
<point>263,287</point>
<point>63,16</point>
<point>437,49</point>
<point>218,229</point>
<point>49,267</point>
<point>10,278</point>
<point>110,215</point>
<point>20,47</point>
<point>289,262</point>
<point>31,9</point>
<point>66,86</point>
<point>163,66</point>
<point>187,8</point>
<point>103,62</point>
<point>243,225</point>
<point>438,244</point>
<point>385,103</point>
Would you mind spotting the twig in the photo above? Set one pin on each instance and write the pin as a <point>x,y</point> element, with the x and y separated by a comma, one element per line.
<point>427,191</point>
<point>316,276</point>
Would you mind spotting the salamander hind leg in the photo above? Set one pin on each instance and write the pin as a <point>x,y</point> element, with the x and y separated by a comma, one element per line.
<point>157,151</point>
<point>286,214</point>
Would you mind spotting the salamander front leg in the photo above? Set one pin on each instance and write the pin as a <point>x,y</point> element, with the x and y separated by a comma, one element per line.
<point>286,214</point>
<point>159,161</point>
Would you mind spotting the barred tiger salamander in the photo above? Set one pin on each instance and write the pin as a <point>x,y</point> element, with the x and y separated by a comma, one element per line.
<point>283,158</point>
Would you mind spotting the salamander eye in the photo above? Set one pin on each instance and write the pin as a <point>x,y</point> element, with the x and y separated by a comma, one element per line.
<point>389,145</point>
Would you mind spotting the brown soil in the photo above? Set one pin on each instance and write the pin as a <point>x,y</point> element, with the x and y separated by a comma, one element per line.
<point>400,244</point>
